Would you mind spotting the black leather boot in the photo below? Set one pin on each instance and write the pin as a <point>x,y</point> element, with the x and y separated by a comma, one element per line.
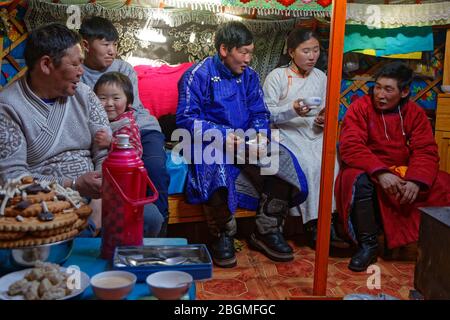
<point>222,227</point>
<point>363,217</point>
<point>222,251</point>
<point>268,237</point>
<point>311,232</point>
<point>335,240</point>
<point>367,253</point>
<point>273,245</point>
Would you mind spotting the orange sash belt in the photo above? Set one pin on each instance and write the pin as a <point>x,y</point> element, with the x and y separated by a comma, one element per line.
<point>400,170</point>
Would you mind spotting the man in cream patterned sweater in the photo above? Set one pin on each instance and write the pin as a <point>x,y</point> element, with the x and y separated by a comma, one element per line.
<point>48,118</point>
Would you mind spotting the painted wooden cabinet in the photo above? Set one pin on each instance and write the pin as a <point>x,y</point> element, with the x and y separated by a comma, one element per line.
<point>442,130</point>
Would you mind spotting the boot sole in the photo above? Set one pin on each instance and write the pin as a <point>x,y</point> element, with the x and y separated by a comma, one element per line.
<point>362,269</point>
<point>226,263</point>
<point>273,255</point>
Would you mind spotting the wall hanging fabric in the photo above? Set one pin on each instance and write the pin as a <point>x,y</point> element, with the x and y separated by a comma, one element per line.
<point>188,33</point>
<point>399,15</point>
<point>292,7</point>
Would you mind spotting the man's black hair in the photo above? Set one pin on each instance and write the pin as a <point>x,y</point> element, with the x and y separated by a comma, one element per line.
<point>49,40</point>
<point>233,35</point>
<point>118,79</point>
<point>93,28</point>
<point>399,71</point>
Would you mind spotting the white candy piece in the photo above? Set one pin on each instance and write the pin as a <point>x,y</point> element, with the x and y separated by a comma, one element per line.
<point>46,184</point>
<point>44,206</point>
<point>23,187</point>
<point>8,190</point>
<point>72,196</point>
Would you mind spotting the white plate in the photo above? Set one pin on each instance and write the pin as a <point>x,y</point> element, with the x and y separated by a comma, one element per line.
<point>12,277</point>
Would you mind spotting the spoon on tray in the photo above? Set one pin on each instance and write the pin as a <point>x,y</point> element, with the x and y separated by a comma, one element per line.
<point>172,261</point>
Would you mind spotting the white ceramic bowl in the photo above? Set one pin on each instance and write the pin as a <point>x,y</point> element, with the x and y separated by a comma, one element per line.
<point>113,285</point>
<point>312,101</point>
<point>169,285</point>
<point>445,88</point>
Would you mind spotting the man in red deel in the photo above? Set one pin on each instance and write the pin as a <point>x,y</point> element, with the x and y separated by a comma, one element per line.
<point>390,167</point>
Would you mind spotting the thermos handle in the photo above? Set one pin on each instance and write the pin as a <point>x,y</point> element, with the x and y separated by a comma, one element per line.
<point>138,202</point>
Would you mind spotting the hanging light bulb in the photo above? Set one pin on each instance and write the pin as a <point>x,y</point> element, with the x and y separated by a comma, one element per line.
<point>152,35</point>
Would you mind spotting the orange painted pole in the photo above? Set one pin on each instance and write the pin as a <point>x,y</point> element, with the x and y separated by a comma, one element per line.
<point>335,56</point>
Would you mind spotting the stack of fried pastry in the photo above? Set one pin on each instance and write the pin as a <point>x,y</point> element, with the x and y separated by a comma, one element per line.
<point>46,281</point>
<point>34,213</point>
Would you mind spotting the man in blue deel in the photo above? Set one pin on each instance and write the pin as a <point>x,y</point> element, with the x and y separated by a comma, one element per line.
<point>222,94</point>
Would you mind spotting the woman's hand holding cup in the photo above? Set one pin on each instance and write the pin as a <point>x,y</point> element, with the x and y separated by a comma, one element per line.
<point>301,108</point>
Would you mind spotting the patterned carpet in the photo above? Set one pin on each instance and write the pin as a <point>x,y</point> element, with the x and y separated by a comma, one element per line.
<point>258,278</point>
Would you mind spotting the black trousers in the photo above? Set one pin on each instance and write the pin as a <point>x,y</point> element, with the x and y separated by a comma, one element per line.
<point>365,200</point>
<point>272,186</point>
<point>364,188</point>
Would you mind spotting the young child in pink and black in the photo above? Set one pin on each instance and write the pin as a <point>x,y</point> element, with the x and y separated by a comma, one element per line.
<point>115,92</point>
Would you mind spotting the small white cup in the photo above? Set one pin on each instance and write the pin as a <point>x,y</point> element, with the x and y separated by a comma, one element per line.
<point>169,285</point>
<point>312,101</point>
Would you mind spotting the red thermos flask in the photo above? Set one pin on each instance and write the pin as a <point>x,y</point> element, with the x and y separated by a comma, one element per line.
<point>124,188</point>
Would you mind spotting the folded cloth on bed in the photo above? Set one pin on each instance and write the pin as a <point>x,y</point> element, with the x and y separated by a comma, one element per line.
<point>177,169</point>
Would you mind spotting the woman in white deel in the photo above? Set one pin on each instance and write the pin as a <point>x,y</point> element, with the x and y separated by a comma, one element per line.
<point>295,95</point>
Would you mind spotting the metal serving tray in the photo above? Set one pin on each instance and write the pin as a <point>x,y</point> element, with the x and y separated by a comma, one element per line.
<point>192,258</point>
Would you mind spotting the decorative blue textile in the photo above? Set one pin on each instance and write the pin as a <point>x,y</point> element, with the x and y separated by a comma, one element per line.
<point>388,41</point>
